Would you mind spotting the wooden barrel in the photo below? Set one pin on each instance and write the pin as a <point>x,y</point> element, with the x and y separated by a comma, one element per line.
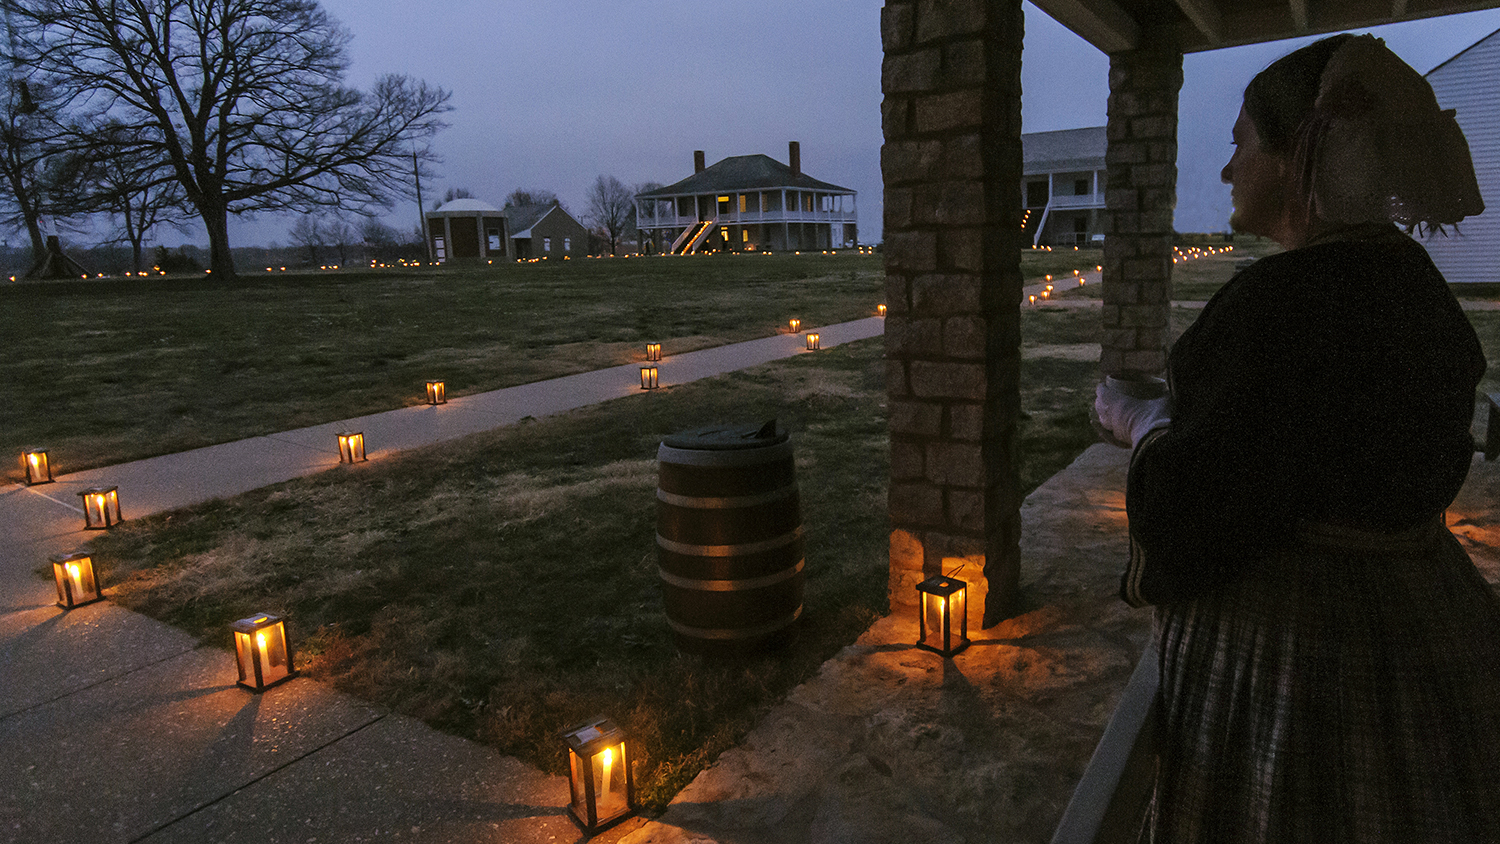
<point>729,538</point>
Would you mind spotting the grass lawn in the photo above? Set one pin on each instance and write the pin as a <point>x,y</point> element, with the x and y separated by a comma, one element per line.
<point>505,585</point>
<point>114,370</point>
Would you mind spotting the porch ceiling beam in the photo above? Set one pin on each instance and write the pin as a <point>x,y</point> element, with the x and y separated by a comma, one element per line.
<point>1099,22</point>
<point>1205,16</point>
<point>1300,19</point>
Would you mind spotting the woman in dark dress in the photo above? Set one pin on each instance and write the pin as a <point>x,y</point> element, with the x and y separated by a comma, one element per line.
<point>1330,657</point>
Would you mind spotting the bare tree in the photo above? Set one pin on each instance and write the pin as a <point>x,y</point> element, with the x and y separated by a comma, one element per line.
<point>610,208</point>
<point>340,235</point>
<point>28,138</point>
<point>521,197</point>
<point>307,233</point>
<point>450,195</point>
<point>243,98</point>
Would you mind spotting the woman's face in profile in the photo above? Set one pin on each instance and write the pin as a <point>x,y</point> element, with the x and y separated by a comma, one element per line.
<point>1258,184</point>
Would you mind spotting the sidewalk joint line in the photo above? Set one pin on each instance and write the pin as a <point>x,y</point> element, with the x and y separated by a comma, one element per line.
<point>97,683</point>
<point>54,500</point>
<point>237,789</point>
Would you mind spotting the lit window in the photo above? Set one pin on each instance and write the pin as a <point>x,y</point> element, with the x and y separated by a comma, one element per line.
<point>546,244</point>
<point>567,244</point>
<point>744,203</point>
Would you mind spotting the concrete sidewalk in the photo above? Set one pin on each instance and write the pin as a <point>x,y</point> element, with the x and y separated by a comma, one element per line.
<point>116,728</point>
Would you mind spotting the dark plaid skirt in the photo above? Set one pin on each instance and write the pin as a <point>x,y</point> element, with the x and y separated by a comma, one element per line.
<point>1346,691</point>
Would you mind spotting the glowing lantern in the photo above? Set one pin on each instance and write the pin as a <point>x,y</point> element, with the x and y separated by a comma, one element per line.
<point>648,377</point>
<point>437,392</point>
<point>795,323</point>
<point>944,603</point>
<point>1033,299</point>
<point>262,651</point>
<point>599,776</point>
<point>814,343</point>
<point>76,584</point>
<point>38,467</point>
<point>880,309</point>
<point>653,351</point>
<point>352,447</point>
<point>101,508</point>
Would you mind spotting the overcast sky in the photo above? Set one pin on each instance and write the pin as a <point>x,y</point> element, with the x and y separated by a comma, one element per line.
<point>552,95</point>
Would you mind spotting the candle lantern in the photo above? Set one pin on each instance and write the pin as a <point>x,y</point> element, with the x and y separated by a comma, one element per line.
<point>653,351</point>
<point>814,343</point>
<point>880,309</point>
<point>101,508</point>
<point>648,377</point>
<point>599,776</point>
<point>262,652</point>
<point>76,583</point>
<point>943,615</point>
<point>437,392</point>
<point>38,468</point>
<point>795,323</point>
<point>351,447</point>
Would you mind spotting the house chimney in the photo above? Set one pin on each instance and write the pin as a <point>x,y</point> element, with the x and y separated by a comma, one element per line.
<point>698,162</point>
<point>794,157</point>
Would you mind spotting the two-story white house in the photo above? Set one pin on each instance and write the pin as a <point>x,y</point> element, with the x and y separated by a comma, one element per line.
<point>747,203</point>
<point>1062,186</point>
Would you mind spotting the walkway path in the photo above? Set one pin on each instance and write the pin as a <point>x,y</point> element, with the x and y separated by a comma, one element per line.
<point>116,728</point>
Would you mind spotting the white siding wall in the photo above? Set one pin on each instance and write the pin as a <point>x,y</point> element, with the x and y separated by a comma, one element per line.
<point>1470,83</point>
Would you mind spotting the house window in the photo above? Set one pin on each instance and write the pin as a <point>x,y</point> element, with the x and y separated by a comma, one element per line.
<point>567,244</point>
<point>807,202</point>
<point>494,239</point>
<point>546,244</point>
<point>744,203</point>
<point>440,248</point>
<point>1081,187</point>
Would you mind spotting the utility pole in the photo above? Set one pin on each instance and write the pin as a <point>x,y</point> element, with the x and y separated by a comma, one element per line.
<point>421,214</point>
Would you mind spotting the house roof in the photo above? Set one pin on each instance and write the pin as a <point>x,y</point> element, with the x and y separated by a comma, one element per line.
<point>466,205</point>
<point>1451,58</point>
<point>740,173</point>
<point>523,218</point>
<point>1064,149</point>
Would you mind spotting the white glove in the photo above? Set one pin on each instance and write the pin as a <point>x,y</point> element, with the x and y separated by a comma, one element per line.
<point>1129,419</point>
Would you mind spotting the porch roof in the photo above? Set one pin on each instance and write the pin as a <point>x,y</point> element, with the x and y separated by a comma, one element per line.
<point>1063,150</point>
<point>1115,25</point>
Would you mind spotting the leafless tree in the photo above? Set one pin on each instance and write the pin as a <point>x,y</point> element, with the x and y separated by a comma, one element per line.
<point>611,207</point>
<point>242,98</point>
<point>340,235</point>
<point>521,197</point>
<point>307,233</point>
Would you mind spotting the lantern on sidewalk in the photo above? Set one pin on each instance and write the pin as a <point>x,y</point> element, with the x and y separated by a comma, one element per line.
<point>351,447</point>
<point>814,343</point>
<point>880,309</point>
<point>76,583</point>
<point>648,377</point>
<point>38,468</point>
<point>437,392</point>
<point>599,777</point>
<point>653,351</point>
<point>943,615</point>
<point>101,507</point>
<point>262,652</point>
<point>795,323</point>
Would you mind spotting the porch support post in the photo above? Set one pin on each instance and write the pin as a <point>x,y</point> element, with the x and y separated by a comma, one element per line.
<point>1140,196</point>
<point>952,172</point>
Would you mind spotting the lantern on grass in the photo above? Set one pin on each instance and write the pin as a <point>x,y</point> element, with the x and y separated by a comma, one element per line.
<point>653,351</point>
<point>880,309</point>
<point>351,447</point>
<point>262,651</point>
<point>795,323</point>
<point>943,615</point>
<point>814,343</point>
<point>437,392</point>
<point>101,507</point>
<point>38,468</point>
<point>76,583</point>
<point>599,777</point>
<point>648,377</point>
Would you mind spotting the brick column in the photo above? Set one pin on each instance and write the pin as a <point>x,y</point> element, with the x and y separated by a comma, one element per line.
<point>952,172</point>
<point>1140,195</point>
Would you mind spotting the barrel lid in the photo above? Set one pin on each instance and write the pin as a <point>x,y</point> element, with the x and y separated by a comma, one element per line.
<point>729,437</point>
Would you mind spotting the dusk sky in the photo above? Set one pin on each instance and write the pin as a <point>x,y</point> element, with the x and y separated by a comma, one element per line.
<point>552,95</point>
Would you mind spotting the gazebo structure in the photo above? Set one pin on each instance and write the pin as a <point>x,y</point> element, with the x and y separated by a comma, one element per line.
<point>466,229</point>
<point>952,172</point>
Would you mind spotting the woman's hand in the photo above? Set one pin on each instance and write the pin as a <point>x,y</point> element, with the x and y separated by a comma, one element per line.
<point>1129,419</point>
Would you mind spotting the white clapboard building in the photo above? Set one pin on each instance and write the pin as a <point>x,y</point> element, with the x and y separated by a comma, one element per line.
<point>1470,83</point>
